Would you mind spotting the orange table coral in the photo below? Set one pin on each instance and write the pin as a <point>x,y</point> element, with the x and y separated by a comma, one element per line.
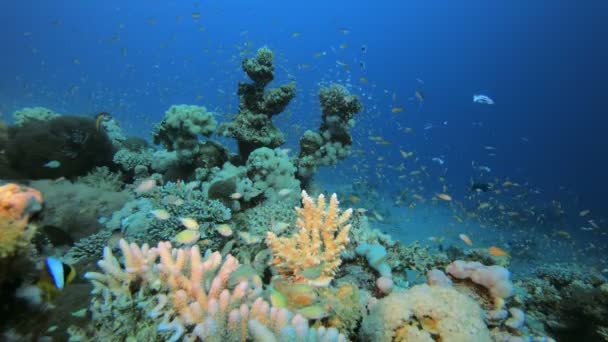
<point>17,204</point>
<point>312,254</point>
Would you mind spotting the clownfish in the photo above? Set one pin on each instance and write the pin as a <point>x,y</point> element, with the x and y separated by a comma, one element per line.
<point>55,276</point>
<point>100,118</point>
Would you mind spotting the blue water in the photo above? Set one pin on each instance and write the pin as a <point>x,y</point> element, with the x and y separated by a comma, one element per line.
<point>542,62</point>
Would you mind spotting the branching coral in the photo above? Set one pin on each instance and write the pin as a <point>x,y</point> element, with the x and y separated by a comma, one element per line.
<point>190,296</point>
<point>313,253</point>
<point>17,204</point>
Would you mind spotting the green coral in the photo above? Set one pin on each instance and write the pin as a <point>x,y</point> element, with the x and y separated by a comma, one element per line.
<point>180,129</point>
<point>252,126</point>
<point>272,174</point>
<point>133,219</point>
<point>181,201</point>
<point>268,176</point>
<point>128,159</point>
<point>333,141</point>
<point>260,219</point>
<point>104,179</point>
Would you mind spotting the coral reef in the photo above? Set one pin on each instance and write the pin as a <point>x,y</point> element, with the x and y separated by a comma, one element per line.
<point>17,204</point>
<point>30,114</point>
<point>186,295</point>
<point>313,253</point>
<point>333,141</point>
<point>252,126</point>
<point>567,301</point>
<point>129,159</point>
<point>75,208</point>
<point>180,129</point>
<point>5,171</point>
<point>114,132</point>
<point>269,173</point>
<point>67,146</point>
<point>376,257</point>
<point>425,313</point>
<point>241,264</point>
<point>104,179</point>
<point>495,279</point>
<point>268,176</point>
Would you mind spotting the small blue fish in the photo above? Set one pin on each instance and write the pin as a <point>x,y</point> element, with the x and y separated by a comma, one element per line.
<point>483,99</point>
<point>438,160</point>
<point>53,164</point>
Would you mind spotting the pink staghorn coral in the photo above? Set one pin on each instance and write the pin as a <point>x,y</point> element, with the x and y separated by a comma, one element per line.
<point>189,296</point>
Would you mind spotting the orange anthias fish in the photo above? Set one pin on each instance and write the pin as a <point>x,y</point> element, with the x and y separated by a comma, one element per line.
<point>496,251</point>
<point>466,239</point>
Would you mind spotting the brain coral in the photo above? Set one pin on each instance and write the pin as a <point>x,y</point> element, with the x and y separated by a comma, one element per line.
<point>425,313</point>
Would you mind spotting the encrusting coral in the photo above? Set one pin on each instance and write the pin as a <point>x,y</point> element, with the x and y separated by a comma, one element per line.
<point>17,204</point>
<point>188,296</point>
<point>313,253</point>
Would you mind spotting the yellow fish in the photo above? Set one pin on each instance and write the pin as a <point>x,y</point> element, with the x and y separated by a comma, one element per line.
<point>189,223</point>
<point>161,214</point>
<point>466,239</point>
<point>444,197</point>
<point>354,199</point>
<point>495,251</point>
<point>397,110</point>
<point>483,205</point>
<point>224,229</point>
<point>187,237</point>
